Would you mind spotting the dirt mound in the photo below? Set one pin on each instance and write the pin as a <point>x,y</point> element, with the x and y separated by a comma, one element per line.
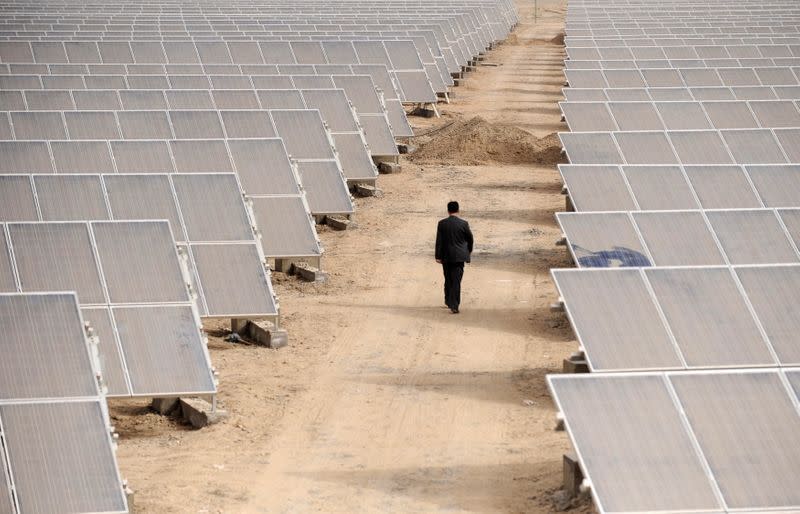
<point>476,141</point>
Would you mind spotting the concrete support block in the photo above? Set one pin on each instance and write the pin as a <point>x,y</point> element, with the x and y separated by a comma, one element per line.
<point>573,476</point>
<point>282,265</point>
<point>262,333</point>
<point>388,168</point>
<point>557,306</point>
<point>309,273</point>
<point>576,365</point>
<point>199,413</point>
<point>405,148</point>
<point>337,223</point>
<point>368,190</point>
<point>562,241</point>
<point>165,406</point>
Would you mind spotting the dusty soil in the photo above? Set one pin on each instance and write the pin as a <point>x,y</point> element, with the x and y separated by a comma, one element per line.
<point>384,401</point>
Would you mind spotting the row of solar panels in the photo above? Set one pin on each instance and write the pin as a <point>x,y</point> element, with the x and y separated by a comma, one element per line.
<point>700,260</point>
<point>658,188</point>
<point>708,51</point>
<point>726,114</point>
<point>400,57</point>
<point>680,94</point>
<point>684,77</point>
<point>580,43</point>
<point>682,238</point>
<point>368,101</point>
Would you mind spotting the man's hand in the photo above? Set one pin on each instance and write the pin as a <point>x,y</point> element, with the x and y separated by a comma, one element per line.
<point>439,261</point>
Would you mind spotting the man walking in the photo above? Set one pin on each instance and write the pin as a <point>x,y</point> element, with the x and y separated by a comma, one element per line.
<point>453,249</point>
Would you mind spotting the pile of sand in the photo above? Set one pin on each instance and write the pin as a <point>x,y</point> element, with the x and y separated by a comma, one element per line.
<point>476,141</point>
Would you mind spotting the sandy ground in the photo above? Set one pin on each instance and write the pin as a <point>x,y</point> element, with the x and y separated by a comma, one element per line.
<point>384,401</point>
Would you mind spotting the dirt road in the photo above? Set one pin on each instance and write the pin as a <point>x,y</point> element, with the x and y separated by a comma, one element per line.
<point>386,402</point>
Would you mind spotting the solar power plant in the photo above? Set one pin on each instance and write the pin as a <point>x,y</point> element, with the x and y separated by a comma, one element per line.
<point>57,453</point>
<point>95,260</point>
<point>153,156</point>
<point>723,441</point>
<point>683,174</point>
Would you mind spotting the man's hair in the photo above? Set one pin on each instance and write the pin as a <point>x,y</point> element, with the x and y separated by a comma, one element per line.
<point>452,207</point>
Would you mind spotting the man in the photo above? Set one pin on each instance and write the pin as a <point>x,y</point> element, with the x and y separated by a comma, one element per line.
<point>453,249</point>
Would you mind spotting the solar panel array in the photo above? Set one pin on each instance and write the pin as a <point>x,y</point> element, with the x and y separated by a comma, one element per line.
<point>683,172</point>
<point>153,156</point>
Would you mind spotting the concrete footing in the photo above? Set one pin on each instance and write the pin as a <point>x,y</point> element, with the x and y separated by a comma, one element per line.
<point>387,168</point>
<point>405,148</point>
<point>165,406</point>
<point>199,413</point>
<point>337,223</point>
<point>573,476</point>
<point>576,364</point>
<point>365,190</point>
<point>262,333</point>
<point>309,273</point>
<point>425,113</point>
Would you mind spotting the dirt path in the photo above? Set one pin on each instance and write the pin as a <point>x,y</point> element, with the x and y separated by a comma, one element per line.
<point>385,402</point>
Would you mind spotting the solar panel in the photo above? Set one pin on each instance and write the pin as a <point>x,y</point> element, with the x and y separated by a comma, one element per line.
<point>591,246</point>
<point>678,238</point>
<point>721,187</point>
<point>752,237</point>
<point>16,198</point>
<point>81,157</point>
<point>603,322</point>
<point>756,413</point>
<point>590,148</point>
<point>303,134</point>
<point>354,157</point>
<point>635,419</point>
<point>321,180</point>
<point>597,188</point>
<point>244,294</point>
<point>67,198</point>
<point>248,124</point>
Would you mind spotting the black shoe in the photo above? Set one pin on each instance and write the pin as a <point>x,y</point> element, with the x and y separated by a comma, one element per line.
<point>454,311</point>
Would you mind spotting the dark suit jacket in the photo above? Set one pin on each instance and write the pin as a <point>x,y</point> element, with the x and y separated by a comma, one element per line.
<point>453,240</point>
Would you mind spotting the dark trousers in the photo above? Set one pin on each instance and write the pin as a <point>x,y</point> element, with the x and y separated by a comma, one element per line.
<point>453,272</point>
